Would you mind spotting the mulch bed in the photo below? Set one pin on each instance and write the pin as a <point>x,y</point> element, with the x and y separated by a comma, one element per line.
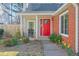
<point>33,48</point>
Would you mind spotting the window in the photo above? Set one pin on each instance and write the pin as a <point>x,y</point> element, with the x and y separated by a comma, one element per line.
<point>64,23</point>
<point>46,21</point>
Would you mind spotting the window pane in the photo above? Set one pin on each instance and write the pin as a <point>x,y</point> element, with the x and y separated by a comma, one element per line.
<point>62,24</point>
<point>46,21</point>
<point>66,23</point>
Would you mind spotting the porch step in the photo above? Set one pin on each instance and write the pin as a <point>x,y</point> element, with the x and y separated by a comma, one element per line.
<point>43,38</point>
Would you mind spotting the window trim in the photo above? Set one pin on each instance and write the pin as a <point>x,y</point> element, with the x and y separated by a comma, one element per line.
<point>66,35</point>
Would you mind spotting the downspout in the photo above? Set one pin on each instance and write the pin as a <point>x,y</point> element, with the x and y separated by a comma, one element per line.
<point>76,42</point>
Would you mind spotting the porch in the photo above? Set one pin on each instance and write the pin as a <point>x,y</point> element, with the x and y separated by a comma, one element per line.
<point>36,25</point>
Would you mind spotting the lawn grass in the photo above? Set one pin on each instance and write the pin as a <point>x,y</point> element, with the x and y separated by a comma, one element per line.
<point>1,41</point>
<point>11,53</point>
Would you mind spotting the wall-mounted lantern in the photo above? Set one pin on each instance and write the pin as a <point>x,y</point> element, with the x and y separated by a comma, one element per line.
<point>52,19</point>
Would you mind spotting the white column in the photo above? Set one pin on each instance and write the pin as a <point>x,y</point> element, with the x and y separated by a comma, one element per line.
<point>21,25</point>
<point>51,30</point>
<point>24,25</point>
<point>37,27</point>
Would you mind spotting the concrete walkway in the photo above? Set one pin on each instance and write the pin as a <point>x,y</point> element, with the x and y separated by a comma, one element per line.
<point>51,49</point>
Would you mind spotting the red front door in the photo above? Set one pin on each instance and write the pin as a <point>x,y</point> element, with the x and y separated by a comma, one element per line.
<point>44,27</point>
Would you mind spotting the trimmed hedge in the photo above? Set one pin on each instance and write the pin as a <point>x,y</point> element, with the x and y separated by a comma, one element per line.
<point>11,42</point>
<point>53,37</point>
<point>58,39</point>
<point>25,39</point>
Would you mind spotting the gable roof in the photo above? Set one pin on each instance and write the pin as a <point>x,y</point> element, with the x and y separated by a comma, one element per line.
<point>44,6</point>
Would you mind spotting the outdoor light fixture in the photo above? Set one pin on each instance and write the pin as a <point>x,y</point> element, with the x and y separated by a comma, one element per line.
<point>52,19</point>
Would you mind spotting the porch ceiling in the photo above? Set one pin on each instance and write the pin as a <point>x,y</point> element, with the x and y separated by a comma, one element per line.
<point>30,17</point>
<point>33,17</point>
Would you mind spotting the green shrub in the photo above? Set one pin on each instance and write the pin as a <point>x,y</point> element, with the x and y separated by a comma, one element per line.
<point>53,37</point>
<point>62,46</point>
<point>10,42</point>
<point>18,34</point>
<point>1,41</point>
<point>14,41</point>
<point>7,42</point>
<point>25,39</point>
<point>59,39</point>
<point>69,51</point>
<point>1,32</point>
<point>66,45</point>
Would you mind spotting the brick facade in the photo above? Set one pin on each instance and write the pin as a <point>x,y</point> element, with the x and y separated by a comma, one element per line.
<point>71,26</point>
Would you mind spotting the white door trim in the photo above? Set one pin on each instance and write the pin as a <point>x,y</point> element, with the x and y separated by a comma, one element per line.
<point>42,29</point>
